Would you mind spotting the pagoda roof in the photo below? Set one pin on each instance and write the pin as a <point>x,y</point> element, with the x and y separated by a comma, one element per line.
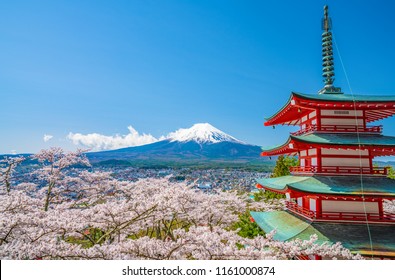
<point>299,105</point>
<point>352,139</point>
<point>377,240</point>
<point>287,226</point>
<point>332,185</point>
<point>347,97</point>
<point>385,145</point>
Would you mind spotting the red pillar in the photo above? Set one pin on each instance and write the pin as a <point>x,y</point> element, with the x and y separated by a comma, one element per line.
<point>318,207</point>
<point>319,159</point>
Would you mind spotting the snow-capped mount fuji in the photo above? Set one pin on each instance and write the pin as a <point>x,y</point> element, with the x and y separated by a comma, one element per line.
<point>201,133</point>
<point>200,143</point>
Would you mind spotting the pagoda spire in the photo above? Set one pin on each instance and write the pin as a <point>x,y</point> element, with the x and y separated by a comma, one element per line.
<point>327,56</point>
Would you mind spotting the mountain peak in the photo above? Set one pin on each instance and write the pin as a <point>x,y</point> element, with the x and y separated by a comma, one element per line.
<point>201,133</point>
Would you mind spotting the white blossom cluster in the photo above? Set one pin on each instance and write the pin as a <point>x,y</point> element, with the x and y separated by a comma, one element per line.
<point>90,215</point>
<point>389,206</point>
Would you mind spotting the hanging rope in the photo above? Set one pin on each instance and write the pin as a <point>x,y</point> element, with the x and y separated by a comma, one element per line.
<point>359,144</point>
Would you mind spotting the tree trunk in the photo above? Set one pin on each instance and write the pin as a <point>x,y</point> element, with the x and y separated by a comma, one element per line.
<point>50,186</point>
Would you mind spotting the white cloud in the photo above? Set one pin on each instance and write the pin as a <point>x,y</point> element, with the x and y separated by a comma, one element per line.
<point>13,152</point>
<point>47,137</point>
<point>98,142</point>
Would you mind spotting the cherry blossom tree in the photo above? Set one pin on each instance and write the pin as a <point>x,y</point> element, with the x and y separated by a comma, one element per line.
<point>54,163</point>
<point>91,215</point>
<point>6,172</point>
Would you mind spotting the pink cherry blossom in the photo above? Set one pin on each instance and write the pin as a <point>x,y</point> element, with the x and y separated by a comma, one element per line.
<point>81,214</point>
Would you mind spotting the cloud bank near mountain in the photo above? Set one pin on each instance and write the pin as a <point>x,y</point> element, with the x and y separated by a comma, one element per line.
<point>198,133</point>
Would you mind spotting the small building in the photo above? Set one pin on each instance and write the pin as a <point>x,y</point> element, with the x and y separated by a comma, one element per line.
<point>206,186</point>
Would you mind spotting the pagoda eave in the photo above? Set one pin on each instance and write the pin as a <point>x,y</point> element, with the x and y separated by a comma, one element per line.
<point>289,114</point>
<point>259,186</point>
<point>377,145</point>
<point>378,242</point>
<point>295,192</point>
<point>298,105</point>
<point>362,196</point>
<point>293,145</point>
<point>376,151</point>
<point>286,148</point>
<point>326,187</point>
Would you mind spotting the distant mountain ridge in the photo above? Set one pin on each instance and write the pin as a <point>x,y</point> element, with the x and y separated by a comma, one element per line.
<point>201,142</point>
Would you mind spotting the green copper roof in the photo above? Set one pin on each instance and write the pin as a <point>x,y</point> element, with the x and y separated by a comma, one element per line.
<point>346,139</point>
<point>272,148</point>
<point>347,97</point>
<point>337,98</point>
<point>286,225</point>
<point>355,237</point>
<point>282,108</point>
<point>339,139</point>
<point>280,183</point>
<point>334,185</point>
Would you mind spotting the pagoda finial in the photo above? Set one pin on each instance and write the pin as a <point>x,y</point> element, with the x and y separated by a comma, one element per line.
<point>327,56</point>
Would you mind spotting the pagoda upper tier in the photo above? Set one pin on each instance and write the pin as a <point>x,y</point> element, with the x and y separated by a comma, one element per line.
<point>317,112</point>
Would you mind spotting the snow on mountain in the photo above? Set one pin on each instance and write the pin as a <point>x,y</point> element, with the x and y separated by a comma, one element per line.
<point>200,143</point>
<point>201,133</point>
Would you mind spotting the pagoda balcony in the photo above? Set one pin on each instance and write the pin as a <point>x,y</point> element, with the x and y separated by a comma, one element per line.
<point>299,210</point>
<point>378,129</point>
<point>339,170</point>
<point>385,217</point>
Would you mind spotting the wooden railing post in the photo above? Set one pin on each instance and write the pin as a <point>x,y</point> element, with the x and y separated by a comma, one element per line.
<point>339,170</point>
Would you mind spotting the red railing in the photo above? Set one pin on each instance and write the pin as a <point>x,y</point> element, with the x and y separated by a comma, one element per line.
<point>294,207</point>
<point>354,216</point>
<point>340,216</point>
<point>340,170</point>
<point>339,128</point>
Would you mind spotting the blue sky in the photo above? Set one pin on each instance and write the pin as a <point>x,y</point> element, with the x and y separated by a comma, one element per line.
<point>85,67</point>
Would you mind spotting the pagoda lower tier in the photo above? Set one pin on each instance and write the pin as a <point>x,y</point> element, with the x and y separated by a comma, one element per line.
<point>348,199</point>
<point>377,241</point>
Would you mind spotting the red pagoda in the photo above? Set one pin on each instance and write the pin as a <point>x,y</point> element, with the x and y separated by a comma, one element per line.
<point>336,191</point>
